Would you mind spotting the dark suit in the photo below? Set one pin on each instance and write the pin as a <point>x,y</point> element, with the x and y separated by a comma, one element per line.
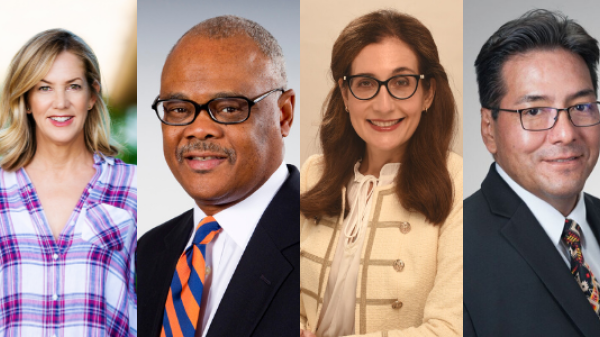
<point>262,296</point>
<point>515,281</point>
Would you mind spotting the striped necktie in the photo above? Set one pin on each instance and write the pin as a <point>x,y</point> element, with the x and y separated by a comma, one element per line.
<point>182,308</point>
<point>581,271</point>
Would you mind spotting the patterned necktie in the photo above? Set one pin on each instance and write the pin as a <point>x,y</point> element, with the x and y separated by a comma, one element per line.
<point>571,236</point>
<point>185,295</point>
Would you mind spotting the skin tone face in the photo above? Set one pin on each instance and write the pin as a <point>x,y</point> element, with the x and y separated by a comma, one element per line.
<point>60,102</point>
<point>220,165</point>
<point>384,122</point>
<point>552,164</point>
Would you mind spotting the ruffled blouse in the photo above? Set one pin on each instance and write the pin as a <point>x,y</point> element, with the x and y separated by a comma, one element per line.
<point>337,315</point>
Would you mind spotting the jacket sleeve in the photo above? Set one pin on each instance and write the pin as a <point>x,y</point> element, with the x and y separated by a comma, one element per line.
<point>443,314</point>
<point>304,172</point>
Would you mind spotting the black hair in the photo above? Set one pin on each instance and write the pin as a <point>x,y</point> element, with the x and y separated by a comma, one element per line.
<point>536,29</point>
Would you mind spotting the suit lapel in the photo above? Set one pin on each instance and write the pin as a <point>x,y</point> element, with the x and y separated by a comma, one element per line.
<point>526,235</point>
<point>263,268</point>
<point>166,258</point>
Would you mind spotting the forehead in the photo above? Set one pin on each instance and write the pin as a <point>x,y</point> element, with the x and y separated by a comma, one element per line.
<point>199,66</point>
<point>550,76</point>
<point>66,64</point>
<point>385,58</point>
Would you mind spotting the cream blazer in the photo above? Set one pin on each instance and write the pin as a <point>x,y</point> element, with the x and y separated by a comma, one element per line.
<point>410,280</point>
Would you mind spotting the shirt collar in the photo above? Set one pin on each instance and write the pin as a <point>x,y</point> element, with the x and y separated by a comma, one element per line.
<point>240,220</point>
<point>386,174</point>
<point>100,158</point>
<point>549,217</point>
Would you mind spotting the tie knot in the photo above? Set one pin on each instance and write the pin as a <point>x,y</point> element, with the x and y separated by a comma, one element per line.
<point>571,235</point>
<point>206,231</point>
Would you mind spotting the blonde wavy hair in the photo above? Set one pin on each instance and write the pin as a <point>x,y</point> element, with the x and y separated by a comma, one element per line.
<point>28,67</point>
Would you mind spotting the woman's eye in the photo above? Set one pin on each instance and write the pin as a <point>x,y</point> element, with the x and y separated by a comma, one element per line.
<point>75,86</point>
<point>44,88</point>
<point>402,82</point>
<point>365,84</point>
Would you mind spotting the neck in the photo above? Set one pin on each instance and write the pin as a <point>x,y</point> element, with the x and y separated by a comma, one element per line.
<point>374,160</point>
<point>61,158</point>
<point>564,206</point>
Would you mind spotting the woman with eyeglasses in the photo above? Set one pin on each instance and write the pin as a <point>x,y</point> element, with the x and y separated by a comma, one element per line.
<point>381,208</point>
<point>68,208</point>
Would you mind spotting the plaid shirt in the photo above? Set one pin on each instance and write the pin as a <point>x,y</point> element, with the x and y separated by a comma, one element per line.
<point>83,283</point>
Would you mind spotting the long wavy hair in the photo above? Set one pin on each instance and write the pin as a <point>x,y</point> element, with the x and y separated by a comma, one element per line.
<point>28,67</point>
<point>423,183</point>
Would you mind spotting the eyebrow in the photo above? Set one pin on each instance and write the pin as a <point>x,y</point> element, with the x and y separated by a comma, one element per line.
<point>222,94</point>
<point>394,72</point>
<point>538,98</point>
<point>69,81</point>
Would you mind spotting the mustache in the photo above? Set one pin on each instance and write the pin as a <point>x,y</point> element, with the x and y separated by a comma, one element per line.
<point>203,145</point>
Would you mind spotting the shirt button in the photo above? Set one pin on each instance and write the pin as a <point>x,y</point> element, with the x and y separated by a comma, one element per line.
<point>207,270</point>
<point>398,265</point>
<point>55,297</point>
<point>397,305</point>
<point>55,256</point>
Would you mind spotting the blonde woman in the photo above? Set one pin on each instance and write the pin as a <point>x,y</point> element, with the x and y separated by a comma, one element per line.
<point>67,207</point>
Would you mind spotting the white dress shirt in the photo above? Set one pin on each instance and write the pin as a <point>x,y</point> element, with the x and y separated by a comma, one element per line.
<point>224,252</point>
<point>553,222</point>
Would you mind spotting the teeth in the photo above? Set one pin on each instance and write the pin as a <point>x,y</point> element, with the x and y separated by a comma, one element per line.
<point>61,119</point>
<point>204,158</point>
<point>385,124</point>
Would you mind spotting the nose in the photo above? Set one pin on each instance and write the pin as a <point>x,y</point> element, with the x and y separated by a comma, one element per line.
<point>563,131</point>
<point>204,127</point>
<point>60,100</point>
<point>383,101</point>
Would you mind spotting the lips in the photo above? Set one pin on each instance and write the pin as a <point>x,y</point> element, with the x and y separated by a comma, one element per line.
<point>61,121</point>
<point>203,162</point>
<point>385,125</point>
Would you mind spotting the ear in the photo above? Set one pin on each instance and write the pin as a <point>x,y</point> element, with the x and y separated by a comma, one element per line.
<point>488,131</point>
<point>343,90</point>
<point>287,101</point>
<point>430,95</point>
<point>93,96</point>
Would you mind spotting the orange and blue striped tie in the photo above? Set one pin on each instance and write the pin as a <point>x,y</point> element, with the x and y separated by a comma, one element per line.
<point>185,295</point>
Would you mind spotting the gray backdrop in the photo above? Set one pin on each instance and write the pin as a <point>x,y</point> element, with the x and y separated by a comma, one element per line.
<point>481,20</point>
<point>160,24</point>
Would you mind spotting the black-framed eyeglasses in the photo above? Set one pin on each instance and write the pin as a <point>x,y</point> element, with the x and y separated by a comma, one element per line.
<point>227,110</point>
<point>544,118</point>
<point>365,87</point>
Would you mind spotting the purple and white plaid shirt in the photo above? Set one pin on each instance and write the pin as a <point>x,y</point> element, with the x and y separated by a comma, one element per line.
<point>83,284</point>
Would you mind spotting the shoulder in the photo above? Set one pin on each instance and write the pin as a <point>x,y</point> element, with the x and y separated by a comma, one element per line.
<point>311,172</point>
<point>455,166</point>
<point>119,172</point>
<point>592,200</point>
<point>160,232</point>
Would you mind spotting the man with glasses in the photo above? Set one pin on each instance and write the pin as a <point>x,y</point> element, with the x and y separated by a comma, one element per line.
<point>531,248</point>
<point>230,266</point>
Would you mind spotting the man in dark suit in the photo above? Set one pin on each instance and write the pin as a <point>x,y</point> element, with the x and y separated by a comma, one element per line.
<point>224,110</point>
<point>532,255</point>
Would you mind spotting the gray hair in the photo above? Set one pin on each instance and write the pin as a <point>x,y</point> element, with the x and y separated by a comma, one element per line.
<point>227,26</point>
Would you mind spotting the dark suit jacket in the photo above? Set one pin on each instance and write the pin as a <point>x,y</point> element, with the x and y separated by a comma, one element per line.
<point>515,281</point>
<point>262,296</point>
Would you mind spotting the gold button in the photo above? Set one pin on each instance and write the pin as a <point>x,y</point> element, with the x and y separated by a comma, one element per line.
<point>397,305</point>
<point>207,270</point>
<point>404,227</point>
<point>398,265</point>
